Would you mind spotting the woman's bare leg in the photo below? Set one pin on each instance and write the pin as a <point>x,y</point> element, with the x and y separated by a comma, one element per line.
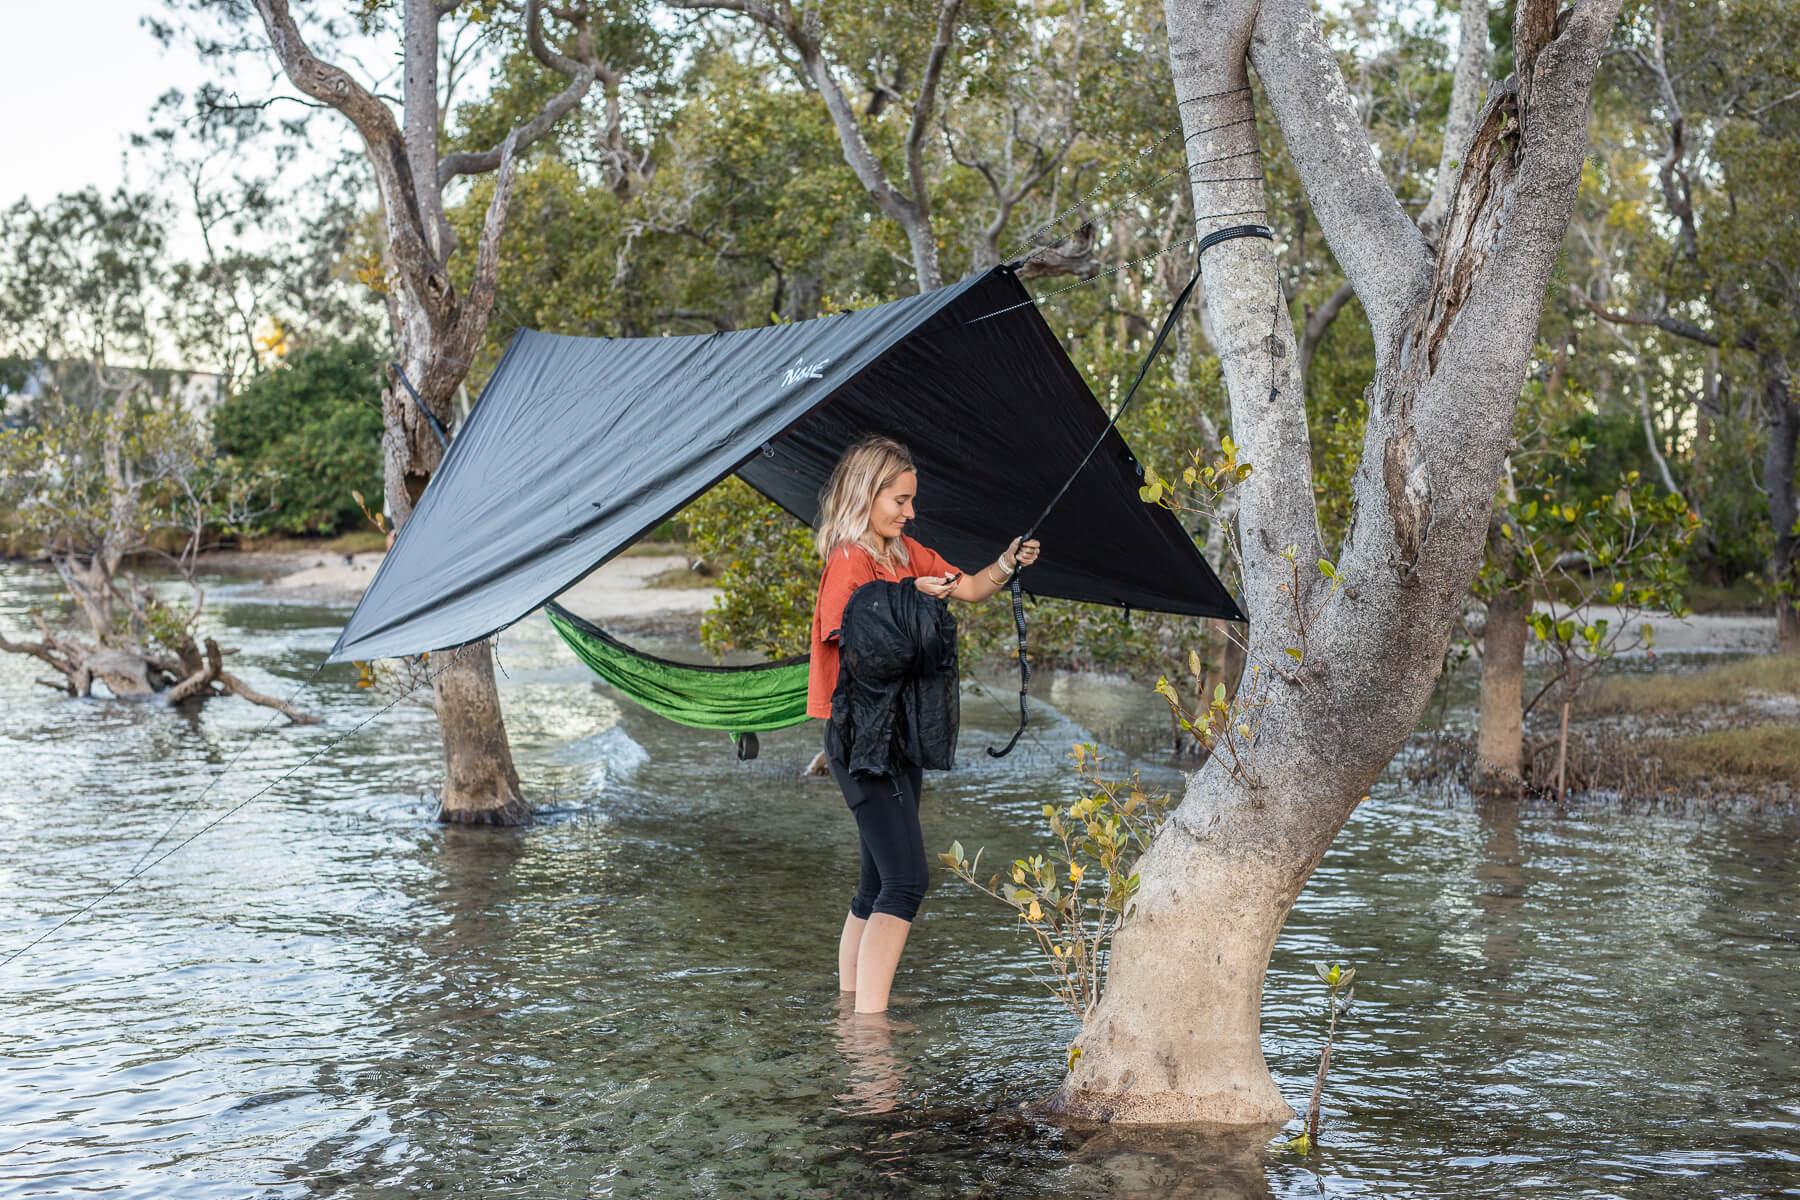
<point>848,944</point>
<point>884,936</point>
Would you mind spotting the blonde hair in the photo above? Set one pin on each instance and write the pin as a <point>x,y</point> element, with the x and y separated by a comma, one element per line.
<point>865,469</point>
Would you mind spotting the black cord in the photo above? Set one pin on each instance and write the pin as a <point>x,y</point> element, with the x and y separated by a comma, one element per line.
<point>1162,335</point>
<point>1018,604</point>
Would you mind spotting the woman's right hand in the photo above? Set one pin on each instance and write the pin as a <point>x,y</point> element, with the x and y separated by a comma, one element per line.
<point>936,586</point>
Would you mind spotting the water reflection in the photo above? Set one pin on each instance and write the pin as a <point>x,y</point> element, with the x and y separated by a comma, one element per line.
<point>1182,1163</point>
<point>1500,883</point>
<point>876,1072</point>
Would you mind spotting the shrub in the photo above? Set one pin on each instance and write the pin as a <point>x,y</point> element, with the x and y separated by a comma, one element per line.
<point>312,430</point>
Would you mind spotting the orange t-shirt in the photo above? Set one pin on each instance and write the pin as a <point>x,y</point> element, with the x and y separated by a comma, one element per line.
<point>848,568</point>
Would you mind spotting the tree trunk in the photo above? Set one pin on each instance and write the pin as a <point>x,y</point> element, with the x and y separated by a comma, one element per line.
<point>481,786</point>
<point>437,333</point>
<point>1176,1034</point>
<point>92,588</point>
<point>1562,747</point>
<point>1784,507</point>
<point>1500,744</point>
<point>1465,102</point>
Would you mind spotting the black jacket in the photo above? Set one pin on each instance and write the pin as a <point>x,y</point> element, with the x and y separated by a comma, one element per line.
<point>896,696</point>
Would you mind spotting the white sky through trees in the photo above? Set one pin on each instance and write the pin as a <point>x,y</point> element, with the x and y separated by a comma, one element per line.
<point>78,80</point>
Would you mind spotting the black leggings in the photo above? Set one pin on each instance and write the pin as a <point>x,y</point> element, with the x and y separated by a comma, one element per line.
<point>894,871</point>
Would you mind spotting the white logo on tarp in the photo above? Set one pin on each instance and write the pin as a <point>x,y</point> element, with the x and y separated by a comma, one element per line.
<point>803,370</point>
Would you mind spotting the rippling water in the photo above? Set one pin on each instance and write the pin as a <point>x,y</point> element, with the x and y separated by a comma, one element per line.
<point>328,994</point>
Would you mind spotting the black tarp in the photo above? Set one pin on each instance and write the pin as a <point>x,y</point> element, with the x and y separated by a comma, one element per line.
<point>577,446</point>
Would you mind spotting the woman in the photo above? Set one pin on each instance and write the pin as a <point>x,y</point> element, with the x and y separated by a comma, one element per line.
<point>861,535</point>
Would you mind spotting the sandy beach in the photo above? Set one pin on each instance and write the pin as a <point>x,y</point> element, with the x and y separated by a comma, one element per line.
<point>618,593</point>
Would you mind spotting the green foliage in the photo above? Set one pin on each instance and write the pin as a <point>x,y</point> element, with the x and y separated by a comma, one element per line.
<point>1623,548</point>
<point>1340,994</point>
<point>1074,897</point>
<point>768,572</point>
<point>115,479</point>
<point>79,280</point>
<point>1736,540</point>
<point>312,430</point>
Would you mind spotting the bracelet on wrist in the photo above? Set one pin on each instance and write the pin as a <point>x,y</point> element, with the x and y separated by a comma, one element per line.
<point>1001,563</point>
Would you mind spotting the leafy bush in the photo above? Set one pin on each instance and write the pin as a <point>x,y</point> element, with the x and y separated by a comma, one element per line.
<point>1096,839</point>
<point>768,571</point>
<point>312,430</point>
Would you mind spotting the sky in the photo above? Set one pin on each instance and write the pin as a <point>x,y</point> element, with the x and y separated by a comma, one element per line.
<point>79,78</point>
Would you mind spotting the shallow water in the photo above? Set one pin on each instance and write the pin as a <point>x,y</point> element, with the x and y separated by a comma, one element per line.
<point>325,993</point>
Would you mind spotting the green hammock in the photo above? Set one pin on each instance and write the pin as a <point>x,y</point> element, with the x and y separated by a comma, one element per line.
<point>738,700</point>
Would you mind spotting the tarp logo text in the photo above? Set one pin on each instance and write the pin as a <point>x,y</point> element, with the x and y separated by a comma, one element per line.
<point>803,370</point>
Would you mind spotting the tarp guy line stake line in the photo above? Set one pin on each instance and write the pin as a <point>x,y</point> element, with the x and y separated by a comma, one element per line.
<point>234,809</point>
<point>183,814</point>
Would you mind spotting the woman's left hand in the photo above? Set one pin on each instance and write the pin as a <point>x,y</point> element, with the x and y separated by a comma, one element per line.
<point>1018,555</point>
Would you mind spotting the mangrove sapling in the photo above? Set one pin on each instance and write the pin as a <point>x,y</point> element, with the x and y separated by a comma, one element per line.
<point>1340,991</point>
<point>1227,719</point>
<point>1075,898</point>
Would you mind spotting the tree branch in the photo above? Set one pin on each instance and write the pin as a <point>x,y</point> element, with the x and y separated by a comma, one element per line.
<point>1382,252</point>
<point>1465,101</point>
<point>912,219</point>
<point>422,120</point>
<point>44,652</point>
<point>408,245</point>
<point>581,76</point>
<point>1676,189</point>
<point>446,369</point>
<point>237,687</point>
<point>927,101</point>
<point>1319,321</point>
<point>1662,321</point>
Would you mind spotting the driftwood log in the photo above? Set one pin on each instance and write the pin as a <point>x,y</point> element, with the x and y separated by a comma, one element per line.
<point>195,672</point>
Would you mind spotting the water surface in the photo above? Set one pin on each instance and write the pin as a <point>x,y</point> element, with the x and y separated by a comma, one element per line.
<point>327,994</point>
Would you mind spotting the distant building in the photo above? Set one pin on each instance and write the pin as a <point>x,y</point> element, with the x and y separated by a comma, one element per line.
<point>23,387</point>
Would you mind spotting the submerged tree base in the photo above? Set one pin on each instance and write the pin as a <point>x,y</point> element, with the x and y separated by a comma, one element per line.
<point>1231,1108</point>
<point>504,810</point>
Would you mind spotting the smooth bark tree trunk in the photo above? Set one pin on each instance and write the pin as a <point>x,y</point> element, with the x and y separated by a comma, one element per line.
<point>1500,740</point>
<point>481,786</point>
<point>1784,506</point>
<point>1176,1035</point>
